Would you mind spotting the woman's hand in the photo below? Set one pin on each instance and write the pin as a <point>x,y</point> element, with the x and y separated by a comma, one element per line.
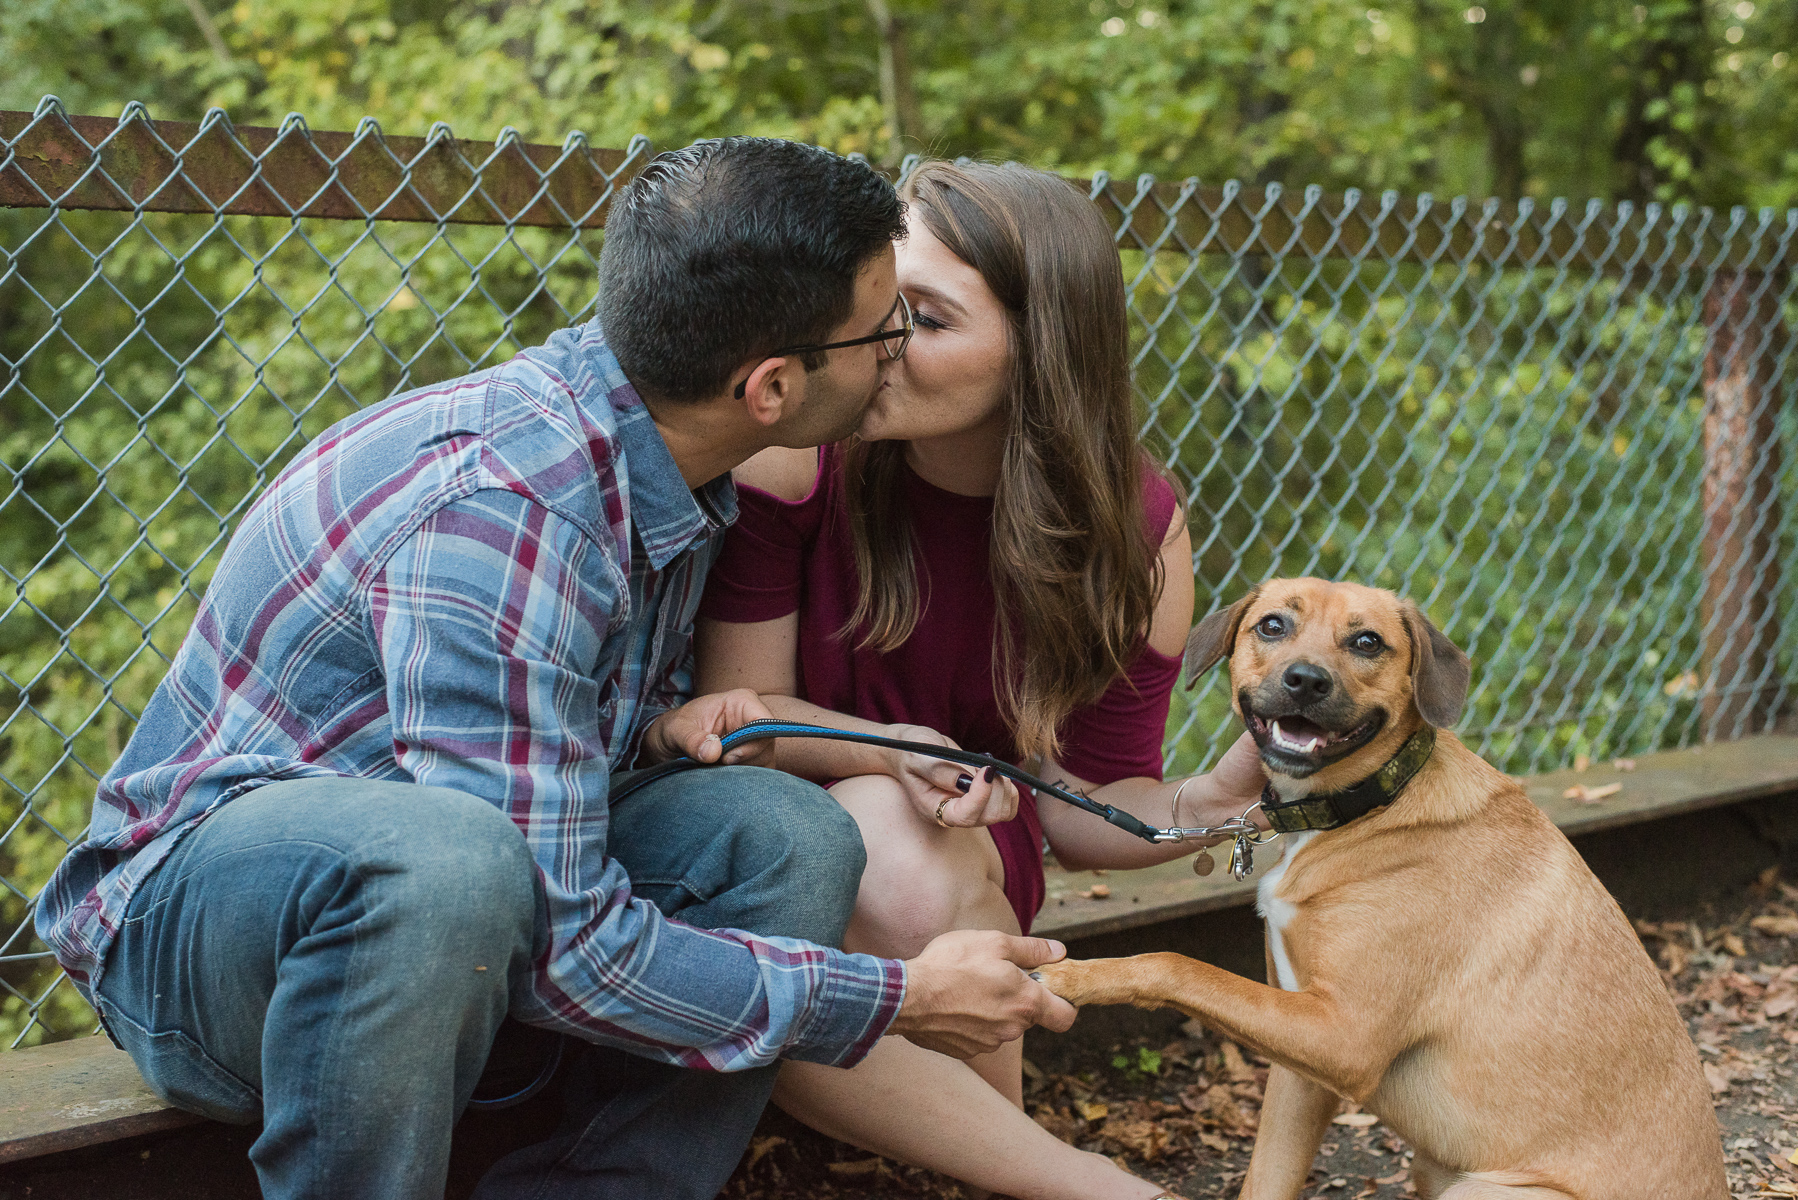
<point>1237,779</point>
<point>946,793</point>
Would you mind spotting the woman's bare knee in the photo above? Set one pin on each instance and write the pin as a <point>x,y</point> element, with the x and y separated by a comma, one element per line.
<point>920,881</point>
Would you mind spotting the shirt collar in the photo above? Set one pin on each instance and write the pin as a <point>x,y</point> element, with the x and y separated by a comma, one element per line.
<point>665,514</point>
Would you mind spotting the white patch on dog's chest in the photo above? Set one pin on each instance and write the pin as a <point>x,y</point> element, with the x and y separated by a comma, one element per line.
<point>1277,912</point>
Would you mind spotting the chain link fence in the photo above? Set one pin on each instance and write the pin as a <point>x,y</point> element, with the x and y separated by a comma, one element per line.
<point>1557,427</point>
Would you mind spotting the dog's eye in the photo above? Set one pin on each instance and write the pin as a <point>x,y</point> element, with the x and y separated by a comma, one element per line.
<point>1271,627</point>
<point>1366,643</point>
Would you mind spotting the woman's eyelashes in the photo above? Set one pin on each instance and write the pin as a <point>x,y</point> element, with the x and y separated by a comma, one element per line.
<point>926,321</point>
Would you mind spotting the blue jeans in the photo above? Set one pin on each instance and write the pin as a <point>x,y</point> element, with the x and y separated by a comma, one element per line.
<point>332,958</point>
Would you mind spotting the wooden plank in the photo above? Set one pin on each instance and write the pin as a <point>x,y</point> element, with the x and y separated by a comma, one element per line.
<point>183,166</point>
<point>72,1094</point>
<point>255,170</point>
<point>1662,785</point>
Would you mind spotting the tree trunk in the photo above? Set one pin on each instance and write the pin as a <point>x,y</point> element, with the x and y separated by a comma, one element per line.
<point>897,97</point>
<point>1675,53</point>
<point>1740,617</point>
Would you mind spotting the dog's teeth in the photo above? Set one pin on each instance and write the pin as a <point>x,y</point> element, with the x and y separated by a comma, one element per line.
<point>1302,745</point>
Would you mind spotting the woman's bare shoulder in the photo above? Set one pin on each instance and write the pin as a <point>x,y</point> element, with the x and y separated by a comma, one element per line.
<point>783,473</point>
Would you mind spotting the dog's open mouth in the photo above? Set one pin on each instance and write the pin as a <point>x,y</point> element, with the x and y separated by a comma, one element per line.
<point>1300,746</point>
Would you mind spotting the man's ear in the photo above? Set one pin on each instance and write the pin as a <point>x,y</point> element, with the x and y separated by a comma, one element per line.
<point>1440,671</point>
<point>772,389</point>
<point>1214,639</point>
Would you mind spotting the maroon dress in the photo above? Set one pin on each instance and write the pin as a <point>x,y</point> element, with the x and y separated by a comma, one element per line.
<point>783,557</point>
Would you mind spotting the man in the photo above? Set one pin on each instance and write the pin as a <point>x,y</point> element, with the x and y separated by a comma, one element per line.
<point>365,815</point>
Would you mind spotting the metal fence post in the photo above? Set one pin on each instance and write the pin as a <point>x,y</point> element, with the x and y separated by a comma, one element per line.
<point>1744,335</point>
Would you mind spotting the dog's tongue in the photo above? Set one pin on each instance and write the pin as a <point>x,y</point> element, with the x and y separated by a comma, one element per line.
<point>1305,741</point>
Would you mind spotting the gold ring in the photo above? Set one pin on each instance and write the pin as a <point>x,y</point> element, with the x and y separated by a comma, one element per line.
<point>939,813</point>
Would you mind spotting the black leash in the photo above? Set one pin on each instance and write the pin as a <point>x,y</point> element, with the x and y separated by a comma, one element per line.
<point>757,731</point>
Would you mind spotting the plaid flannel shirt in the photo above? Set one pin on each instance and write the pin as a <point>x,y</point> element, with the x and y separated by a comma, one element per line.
<point>489,586</point>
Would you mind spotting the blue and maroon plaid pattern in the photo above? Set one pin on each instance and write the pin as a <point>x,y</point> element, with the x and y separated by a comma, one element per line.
<point>488,586</point>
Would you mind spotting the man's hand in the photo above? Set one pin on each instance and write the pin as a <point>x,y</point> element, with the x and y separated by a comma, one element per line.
<point>694,729</point>
<point>967,993</point>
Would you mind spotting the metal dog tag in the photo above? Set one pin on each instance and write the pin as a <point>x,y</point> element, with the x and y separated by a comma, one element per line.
<point>1242,857</point>
<point>1201,863</point>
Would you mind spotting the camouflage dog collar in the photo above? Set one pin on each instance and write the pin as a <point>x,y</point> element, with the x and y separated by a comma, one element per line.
<point>1336,809</point>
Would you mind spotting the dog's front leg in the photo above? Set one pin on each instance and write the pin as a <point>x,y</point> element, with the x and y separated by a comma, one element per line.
<point>1294,1116</point>
<point>1337,1045</point>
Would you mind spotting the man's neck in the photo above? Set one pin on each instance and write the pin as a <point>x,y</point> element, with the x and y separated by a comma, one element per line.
<point>703,444</point>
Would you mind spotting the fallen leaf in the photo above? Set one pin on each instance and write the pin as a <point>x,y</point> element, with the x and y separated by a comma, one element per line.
<point>1212,1141</point>
<point>1624,764</point>
<point>1091,1111</point>
<point>1591,795</point>
<point>1235,1066</point>
<point>1779,1004</point>
<point>1146,1140</point>
<point>1776,926</point>
<point>865,1166</point>
<point>1358,1120</point>
<point>1223,1110</point>
<point>1734,945</point>
<point>1398,1176</point>
<point>1714,1075</point>
<point>1097,891</point>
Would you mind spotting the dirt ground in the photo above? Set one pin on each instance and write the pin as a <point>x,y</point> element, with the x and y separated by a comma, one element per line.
<point>1175,1103</point>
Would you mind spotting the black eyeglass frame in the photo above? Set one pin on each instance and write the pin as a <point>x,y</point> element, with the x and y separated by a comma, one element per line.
<point>903,333</point>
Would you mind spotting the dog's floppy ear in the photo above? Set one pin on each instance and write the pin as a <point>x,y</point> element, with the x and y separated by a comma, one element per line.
<point>1213,639</point>
<point>1440,671</point>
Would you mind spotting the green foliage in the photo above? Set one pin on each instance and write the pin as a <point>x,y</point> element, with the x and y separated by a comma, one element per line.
<point>1144,1062</point>
<point>1669,99</point>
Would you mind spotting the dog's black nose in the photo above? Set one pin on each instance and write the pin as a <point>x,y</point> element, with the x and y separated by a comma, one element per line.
<point>1306,682</point>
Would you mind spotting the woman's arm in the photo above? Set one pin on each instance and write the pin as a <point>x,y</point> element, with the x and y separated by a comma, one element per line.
<point>763,656</point>
<point>1082,841</point>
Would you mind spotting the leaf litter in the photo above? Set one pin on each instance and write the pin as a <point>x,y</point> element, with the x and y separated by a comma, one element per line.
<point>1184,1112</point>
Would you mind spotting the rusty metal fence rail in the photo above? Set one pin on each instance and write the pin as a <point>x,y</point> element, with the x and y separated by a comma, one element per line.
<point>1559,427</point>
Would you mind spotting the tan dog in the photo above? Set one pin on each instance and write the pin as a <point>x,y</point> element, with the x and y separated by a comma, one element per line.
<point>1444,958</point>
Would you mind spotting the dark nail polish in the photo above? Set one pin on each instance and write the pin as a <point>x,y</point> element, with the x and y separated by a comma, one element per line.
<point>989,773</point>
<point>963,782</point>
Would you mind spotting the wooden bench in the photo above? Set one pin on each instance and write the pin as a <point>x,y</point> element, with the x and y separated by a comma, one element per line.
<point>1662,785</point>
<point>84,1093</point>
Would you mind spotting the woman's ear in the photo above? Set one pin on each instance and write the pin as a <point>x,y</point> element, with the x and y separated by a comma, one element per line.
<point>1214,639</point>
<point>1440,671</point>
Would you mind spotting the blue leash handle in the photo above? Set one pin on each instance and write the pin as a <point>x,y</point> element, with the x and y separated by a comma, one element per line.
<point>757,731</point>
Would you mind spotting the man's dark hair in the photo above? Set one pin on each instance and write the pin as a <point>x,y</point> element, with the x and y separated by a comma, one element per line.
<point>731,248</point>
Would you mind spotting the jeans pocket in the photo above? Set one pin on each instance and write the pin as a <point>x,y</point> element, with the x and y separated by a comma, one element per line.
<point>178,1070</point>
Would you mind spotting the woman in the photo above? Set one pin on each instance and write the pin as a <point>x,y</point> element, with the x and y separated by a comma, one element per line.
<point>991,563</point>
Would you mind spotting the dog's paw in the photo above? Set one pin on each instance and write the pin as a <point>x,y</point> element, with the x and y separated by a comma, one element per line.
<point>1071,979</point>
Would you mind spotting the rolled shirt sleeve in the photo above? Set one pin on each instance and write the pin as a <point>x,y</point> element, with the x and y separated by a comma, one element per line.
<point>492,622</point>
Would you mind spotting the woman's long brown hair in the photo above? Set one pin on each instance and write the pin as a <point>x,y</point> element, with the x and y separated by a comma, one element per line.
<point>1075,573</point>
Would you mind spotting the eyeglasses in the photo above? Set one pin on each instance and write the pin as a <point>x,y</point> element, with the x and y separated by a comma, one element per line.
<point>894,341</point>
